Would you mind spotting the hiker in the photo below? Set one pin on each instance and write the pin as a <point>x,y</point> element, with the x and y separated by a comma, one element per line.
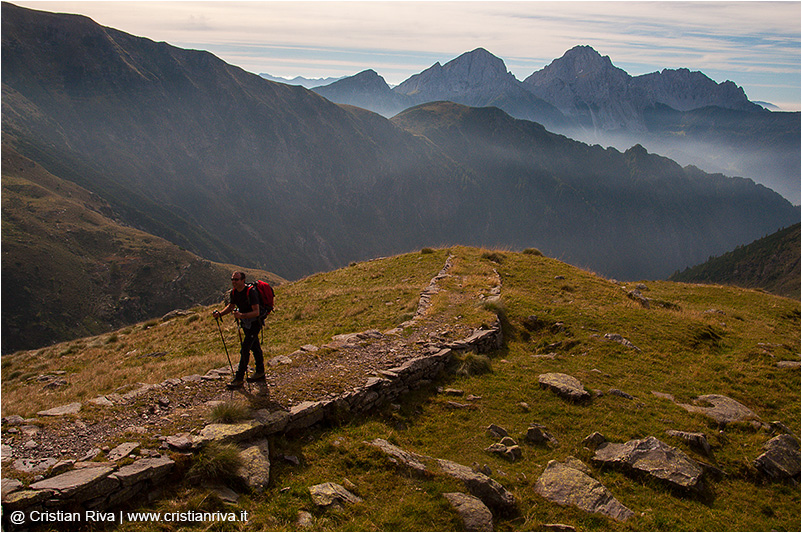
<point>244,302</point>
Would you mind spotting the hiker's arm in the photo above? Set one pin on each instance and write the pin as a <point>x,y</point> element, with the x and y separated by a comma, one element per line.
<point>225,311</point>
<point>253,313</point>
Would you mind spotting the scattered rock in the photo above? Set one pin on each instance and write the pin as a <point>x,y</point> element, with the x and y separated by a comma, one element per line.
<point>497,431</point>
<point>622,394</point>
<point>69,409</point>
<point>565,484</point>
<point>493,495</point>
<point>615,337</point>
<point>565,386</point>
<point>694,440</point>
<point>181,442</point>
<point>653,457</point>
<point>101,401</point>
<point>328,493</point>
<point>34,466</point>
<point>720,408</point>
<point>305,520</point>
<point>474,514</point>
<point>593,441</point>
<point>255,469</point>
<point>788,364</point>
<point>537,434</point>
<point>781,459</point>
<point>122,450</point>
<point>511,452</point>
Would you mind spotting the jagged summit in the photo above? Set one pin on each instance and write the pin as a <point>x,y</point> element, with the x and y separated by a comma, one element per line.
<point>579,61</point>
<point>476,69</point>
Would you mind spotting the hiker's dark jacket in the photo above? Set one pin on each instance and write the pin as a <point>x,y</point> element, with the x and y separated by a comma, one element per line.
<point>245,301</point>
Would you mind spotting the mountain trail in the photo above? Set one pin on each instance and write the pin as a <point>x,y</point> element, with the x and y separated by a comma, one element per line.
<point>183,405</point>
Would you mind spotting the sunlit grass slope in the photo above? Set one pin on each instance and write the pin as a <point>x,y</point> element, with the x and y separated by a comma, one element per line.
<point>702,340</point>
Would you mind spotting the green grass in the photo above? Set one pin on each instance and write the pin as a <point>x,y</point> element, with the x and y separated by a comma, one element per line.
<point>685,350</point>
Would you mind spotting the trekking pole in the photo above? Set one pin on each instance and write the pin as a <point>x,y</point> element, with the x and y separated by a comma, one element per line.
<point>217,318</point>
<point>239,334</point>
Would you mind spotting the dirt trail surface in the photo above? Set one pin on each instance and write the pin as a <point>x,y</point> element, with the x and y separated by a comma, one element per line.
<point>179,405</point>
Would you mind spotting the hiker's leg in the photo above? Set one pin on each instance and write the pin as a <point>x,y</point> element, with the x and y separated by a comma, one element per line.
<point>250,342</point>
<point>244,356</point>
<point>258,355</point>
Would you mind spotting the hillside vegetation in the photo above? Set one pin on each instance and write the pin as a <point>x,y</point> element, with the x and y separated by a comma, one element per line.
<point>770,263</point>
<point>693,340</point>
<point>71,269</point>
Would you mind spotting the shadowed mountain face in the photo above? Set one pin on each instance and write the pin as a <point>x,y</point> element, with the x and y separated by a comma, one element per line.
<point>678,113</point>
<point>240,169</point>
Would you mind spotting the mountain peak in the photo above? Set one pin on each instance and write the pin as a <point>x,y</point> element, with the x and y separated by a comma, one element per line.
<point>478,64</point>
<point>581,61</point>
<point>470,71</point>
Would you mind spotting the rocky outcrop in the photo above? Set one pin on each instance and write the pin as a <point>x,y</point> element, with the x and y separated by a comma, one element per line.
<point>722,409</point>
<point>478,484</point>
<point>781,459</point>
<point>474,514</point>
<point>328,494</point>
<point>565,386</point>
<point>652,457</point>
<point>569,483</point>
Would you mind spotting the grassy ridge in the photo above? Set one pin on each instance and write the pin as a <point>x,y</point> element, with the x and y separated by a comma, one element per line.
<point>721,340</point>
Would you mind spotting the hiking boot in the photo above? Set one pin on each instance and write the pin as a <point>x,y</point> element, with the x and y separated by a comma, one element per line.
<point>237,383</point>
<point>258,376</point>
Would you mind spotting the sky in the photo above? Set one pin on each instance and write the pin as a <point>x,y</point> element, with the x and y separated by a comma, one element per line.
<point>754,44</point>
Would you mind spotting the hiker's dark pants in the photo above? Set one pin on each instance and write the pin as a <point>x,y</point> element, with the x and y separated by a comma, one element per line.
<point>251,343</point>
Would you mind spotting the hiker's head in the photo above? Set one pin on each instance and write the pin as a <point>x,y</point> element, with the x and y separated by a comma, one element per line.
<point>238,280</point>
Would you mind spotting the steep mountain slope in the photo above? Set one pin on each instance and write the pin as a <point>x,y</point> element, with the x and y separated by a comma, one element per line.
<point>770,263</point>
<point>479,79</point>
<point>276,174</point>
<point>239,169</point>
<point>592,206</point>
<point>71,270</point>
<point>677,113</point>
<point>367,90</point>
<point>586,86</point>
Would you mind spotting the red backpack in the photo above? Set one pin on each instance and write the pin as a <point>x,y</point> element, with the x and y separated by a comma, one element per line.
<point>266,295</point>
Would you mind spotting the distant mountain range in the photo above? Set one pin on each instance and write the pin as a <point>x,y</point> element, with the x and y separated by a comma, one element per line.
<point>300,80</point>
<point>678,113</point>
<point>238,169</point>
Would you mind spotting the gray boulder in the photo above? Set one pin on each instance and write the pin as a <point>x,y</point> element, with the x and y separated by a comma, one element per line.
<point>493,495</point>
<point>474,514</point>
<point>781,459</point>
<point>328,493</point>
<point>255,468</point>
<point>569,484</point>
<point>652,457</point>
<point>694,440</point>
<point>720,408</point>
<point>565,386</point>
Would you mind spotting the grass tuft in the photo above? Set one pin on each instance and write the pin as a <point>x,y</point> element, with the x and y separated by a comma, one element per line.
<point>215,463</point>
<point>228,412</point>
<point>474,364</point>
